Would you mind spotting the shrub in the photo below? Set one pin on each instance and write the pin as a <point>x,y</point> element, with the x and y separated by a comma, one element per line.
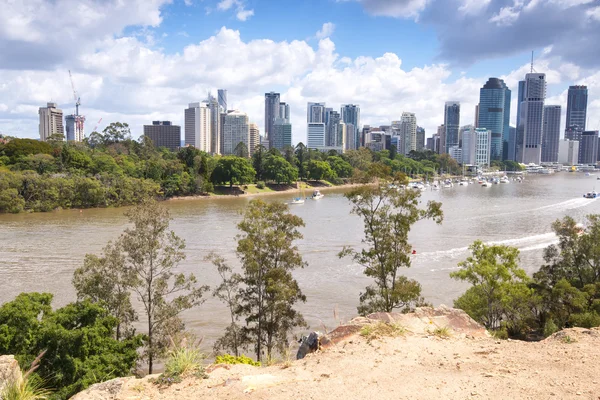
<point>443,332</point>
<point>381,329</point>
<point>260,185</point>
<point>26,386</point>
<point>550,328</point>
<point>229,359</point>
<point>184,360</point>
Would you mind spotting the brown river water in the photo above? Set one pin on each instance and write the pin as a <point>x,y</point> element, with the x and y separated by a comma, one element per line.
<point>39,252</point>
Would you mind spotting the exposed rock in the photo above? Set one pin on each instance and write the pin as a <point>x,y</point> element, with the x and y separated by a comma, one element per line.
<point>9,370</point>
<point>108,390</point>
<point>308,344</point>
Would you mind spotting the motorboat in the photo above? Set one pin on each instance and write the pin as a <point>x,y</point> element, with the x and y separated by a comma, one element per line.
<point>463,182</point>
<point>448,184</point>
<point>297,200</point>
<point>591,195</point>
<point>504,179</point>
<point>317,195</point>
<point>435,186</point>
<point>486,184</point>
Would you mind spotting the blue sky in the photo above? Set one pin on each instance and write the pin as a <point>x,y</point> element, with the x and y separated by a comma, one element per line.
<point>140,60</point>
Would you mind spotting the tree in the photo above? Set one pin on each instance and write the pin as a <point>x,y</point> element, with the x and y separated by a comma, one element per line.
<point>393,152</point>
<point>319,170</point>
<point>258,161</point>
<point>105,280</point>
<point>241,150</point>
<point>268,255</point>
<point>290,155</point>
<point>151,254</point>
<point>233,170</point>
<point>78,340</point>
<point>496,281</point>
<point>116,132</point>
<point>279,170</point>
<point>341,168</point>
<point>56,138</point>
<point>388,215</point>
<point>302,157</point>
<point>228,293</point>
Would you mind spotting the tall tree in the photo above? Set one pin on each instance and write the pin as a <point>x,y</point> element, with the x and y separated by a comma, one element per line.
<point>279,170</point>
<point>268,255</point>
<point>116,132</point>
<point>152,252</point>
<point>258,161</point>
<point>241,150</point>
<point>388,215</point>
<point>302,157</point>
<point>233,170</point>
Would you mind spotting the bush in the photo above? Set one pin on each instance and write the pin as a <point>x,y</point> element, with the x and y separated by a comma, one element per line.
<point>260,185</point>
<point>586,320</point>
<point>184,360</point>
<point>229,359</point>
<point>25,386</point>
<point>550,328</point>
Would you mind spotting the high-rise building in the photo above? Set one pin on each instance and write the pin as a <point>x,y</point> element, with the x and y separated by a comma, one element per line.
<point>74,127</point>
<point>350,114</point>
<point>568,152</point>
<point>469,146</point>
<point>282,134</point>
<point>222,97</point>
<point>430,145</point>
<point>198,126</point>
<point>349,137</point>
<point>441,132</point>
<point>215,124</point>
<point>272,104</point>
<point>477,116</point>
<point>332,130</point>
<point>51,121</point>
<point>456,153</point>
<point>254,138</point>
<point>284,111</point>
<point>408,131</point>
<point>551,135</point>
<point>531,119</point>
<point>315,135</point>
<point>164,134</point>
<point>236,129</point>
<point>588,147</point>
<point>316,113</point>
<point>451,123</point>
<point>420,138</point>
<point>461,131</point>
<point>483,147</point>
<point>494,114</point>
<point>512,142</point>
<point>577,98</point>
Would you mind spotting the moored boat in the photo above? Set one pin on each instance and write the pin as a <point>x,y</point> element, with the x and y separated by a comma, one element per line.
<point>317,195</point>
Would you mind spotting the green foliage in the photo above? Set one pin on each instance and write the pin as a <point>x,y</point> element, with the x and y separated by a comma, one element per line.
<point>233,170</point>
<point>184,360</point>
<point>16,148</point>
<point>277,169</point>
<point>388,215</point>
<point>318,170</point>
<point>260,185</point>
<point>26,386</point>
<point>442,332</point>
<point>78,340</point>
<point>550,327</point>
<point>241,150</point>
<point>341,168</point>
<point>242,359</point>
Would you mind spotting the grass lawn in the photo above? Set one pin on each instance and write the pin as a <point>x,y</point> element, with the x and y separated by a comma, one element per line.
<point>252,189</point>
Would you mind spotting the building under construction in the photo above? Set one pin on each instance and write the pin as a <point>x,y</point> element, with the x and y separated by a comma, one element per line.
<point>74,123</point>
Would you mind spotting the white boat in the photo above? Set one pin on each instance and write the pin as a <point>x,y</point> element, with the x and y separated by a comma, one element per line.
<point>297,200</point>
<point>486,184</point>
<point>317,195</point>
<point>463,182</point>
<point>591,195</point>
<point>504,179</point>
<point>448,184</point>
<point>435,186</point>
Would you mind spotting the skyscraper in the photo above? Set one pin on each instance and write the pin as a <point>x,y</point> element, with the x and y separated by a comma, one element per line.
<point>477,116</point>
<point>282,134</point>
<point>271,113</point>
<point>469,145</point>
<point>577,107</point>
<point>494,114</point>
<point>51,121</point>
<point>254,138</point>
<point>222,95</point>
<point>350,114</point>
<point>531,119</point>
<point>315,112</point>
<point>164,134</point>
<point>420,138</point>
<point>441,132</point>
<point>588,147</point>
<point>333,139</point>
<point>197,126</point>
<point>74,127</point>
<point>483,147</point>
<point>284,111</point>
<point>350,137</point>
<point>236,129</point>
<point>408,131</point>
<point>451,124</point>
<point>215,124</point>
<point>551,135</point>
<point>315,135</point>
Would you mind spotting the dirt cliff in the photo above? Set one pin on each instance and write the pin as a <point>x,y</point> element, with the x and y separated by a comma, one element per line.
<point>433,354</point>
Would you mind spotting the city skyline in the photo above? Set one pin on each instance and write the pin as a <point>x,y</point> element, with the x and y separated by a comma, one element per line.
<point>152,60</point>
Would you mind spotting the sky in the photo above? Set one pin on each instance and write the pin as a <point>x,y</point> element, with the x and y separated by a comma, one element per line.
<point>136,61</point>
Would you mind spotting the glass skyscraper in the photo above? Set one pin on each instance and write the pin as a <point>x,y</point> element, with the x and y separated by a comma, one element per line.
<point>531,119</point>
<point>577,107</point>
<point>494,115</point>
<point>451,124</point>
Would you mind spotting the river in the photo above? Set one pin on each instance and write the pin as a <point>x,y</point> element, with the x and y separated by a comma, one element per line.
<point>40,251</point>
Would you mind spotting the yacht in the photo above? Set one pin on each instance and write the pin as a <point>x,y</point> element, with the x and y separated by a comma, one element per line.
<point>504,179</point>
<point>591,195</point>
<point>486,184</point>
<point>448,184</point>
<point>463,182</point>
<point>317,195</point>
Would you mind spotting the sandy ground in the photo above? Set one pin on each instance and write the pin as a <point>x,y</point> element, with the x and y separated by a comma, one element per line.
<point>410,367</point>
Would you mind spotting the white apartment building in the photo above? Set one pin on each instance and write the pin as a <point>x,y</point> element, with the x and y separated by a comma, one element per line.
<point>483,147</point>
<point>51,121</point>
<point>236,129</point>
<point>198,131</point>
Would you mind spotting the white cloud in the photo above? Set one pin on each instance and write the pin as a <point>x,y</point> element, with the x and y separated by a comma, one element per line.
<point>594,13</point>
<point>326,31</point>
<point>473,7</point>
<point>188,2</point>
<point>394,8</point>
<point>506,16</point>
<point>241,13</point>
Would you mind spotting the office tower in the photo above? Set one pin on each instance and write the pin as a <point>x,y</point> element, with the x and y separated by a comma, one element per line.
<point>350,114</point>
<point>215,124</point>
<point>332,128</point>
<point>315,135</point>
<point>494,114</point>
<point>399,137</point>
<point>531,119</point>
<point>469,146</point>
<point>477,116</point>
<point>456,153</point>
<point>483,147</point>
<point>51,121</point>
<point>271,113</point>
<point>451,123</point>
<point>164,134</point>
<point>341,134</point>
<point>461,131</point>
<point>441,132</point>
<point>588,147</point>
<point>236,129</point>
<point>74,127</point>
<point>284,111</point>
<point>577,98</point>
<point>315,112</point>
<point>350,137</point>
<point>430,145</point>
<point>512,141</point>
<point>282,134</point>
<point>197,126</point>
<point>551,135</point>
<point>568,152</point>
<point>408,131</point>
<point>254,138</point>
<point>420,138</point>
<point>222,98</point>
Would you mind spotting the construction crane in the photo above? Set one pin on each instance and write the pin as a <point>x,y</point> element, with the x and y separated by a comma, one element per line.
<point>75,97</point>
<point>97,123</point>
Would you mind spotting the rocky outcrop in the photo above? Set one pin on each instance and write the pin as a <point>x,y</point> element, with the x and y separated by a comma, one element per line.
<point>9,370</point>
<point>108,390</point>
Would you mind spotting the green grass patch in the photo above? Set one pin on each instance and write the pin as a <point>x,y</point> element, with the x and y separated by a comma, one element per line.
<point>253,189</point>
<point>229,359</point>
<point>380,330</point>
<point>442,332</point>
